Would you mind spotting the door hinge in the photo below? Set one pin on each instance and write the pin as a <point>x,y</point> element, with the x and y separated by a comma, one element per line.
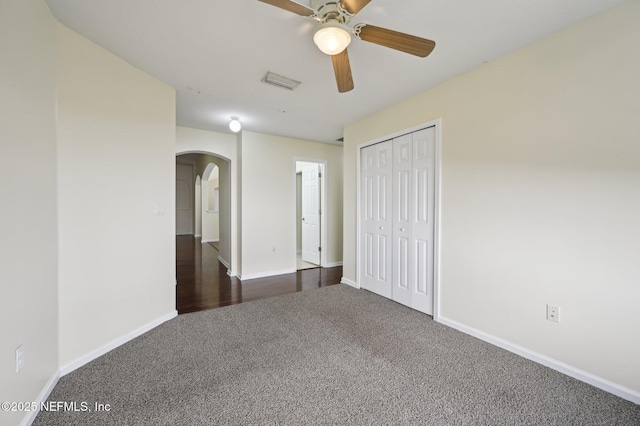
<point>319,248</point>
<point>319,174</point>
<point>320,211</point>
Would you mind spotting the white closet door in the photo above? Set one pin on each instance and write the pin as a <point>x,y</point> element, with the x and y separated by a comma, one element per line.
<point>402,200</point>
<point>423,196</point>
<point>375,218</point>
<point>397,219</point>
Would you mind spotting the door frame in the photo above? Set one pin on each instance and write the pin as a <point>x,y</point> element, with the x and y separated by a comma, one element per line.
<point>323,208</point>
<point>437,123</point>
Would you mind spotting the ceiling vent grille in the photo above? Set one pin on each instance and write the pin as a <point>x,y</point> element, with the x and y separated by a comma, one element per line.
<point>280,81</point>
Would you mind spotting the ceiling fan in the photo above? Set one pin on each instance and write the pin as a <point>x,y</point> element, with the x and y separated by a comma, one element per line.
<point>333,35</point>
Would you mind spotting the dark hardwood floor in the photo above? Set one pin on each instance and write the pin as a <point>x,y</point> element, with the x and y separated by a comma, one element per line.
<point>203,282</point>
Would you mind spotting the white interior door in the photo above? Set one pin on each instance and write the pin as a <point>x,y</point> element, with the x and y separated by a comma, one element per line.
<point>423,227</point>
<point>375,218</point>
<point>311,214</point>
<point>403,249</point>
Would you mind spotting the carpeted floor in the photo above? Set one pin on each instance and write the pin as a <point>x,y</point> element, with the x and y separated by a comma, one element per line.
<point>330,356</point>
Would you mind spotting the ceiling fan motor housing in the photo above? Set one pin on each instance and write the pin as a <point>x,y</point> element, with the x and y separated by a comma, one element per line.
<point>330,11</point>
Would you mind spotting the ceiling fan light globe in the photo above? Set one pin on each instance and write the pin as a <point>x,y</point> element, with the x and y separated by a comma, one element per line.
<point>332,38</point>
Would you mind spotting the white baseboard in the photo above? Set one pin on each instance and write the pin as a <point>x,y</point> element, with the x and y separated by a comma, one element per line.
<point>265,274</point>
<point>599,382</point>
<point>332,264</point>
<point>73,365</point>
<point>197,235</point>
<point>347,281</point>
<point>224,262</point>
<point>42,397</point>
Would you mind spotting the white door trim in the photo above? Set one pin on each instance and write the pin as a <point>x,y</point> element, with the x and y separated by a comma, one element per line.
<point>437,123</point>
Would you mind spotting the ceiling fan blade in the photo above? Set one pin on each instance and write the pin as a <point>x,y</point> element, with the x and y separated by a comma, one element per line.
<point>395,40</point>
<point>342,69</point>
<point>291,6</point>
<point>354,6</point>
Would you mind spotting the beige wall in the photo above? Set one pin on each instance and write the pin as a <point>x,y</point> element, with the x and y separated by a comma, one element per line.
<point>28,217</point>
<point>185,200</point>
<point>268,201</point>
<point>116,158</point>
<point>540,194</point>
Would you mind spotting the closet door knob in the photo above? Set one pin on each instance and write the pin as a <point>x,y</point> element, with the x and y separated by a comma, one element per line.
<point>381,228</point>
<point>401,229</point>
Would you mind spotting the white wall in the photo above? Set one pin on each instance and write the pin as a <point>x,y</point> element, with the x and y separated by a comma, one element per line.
<point>28,217</point>
<point>190,140</point>
<point>540,194</point>
<point>116,135</point>
<point>269,201</point>
<point>185,199</point>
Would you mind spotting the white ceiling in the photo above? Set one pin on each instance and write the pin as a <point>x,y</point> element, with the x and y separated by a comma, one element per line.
<point>214,53</point>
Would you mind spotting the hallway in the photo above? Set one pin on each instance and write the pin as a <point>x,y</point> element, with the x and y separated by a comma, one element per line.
<point>203,282</point>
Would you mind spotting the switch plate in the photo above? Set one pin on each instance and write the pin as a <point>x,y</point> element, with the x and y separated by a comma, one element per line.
<point>19,358</point>
<point>553,313</point>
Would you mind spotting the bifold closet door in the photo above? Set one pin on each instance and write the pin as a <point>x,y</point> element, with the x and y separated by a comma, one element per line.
<point>402,216</point>
<point>375,218</point>
<point>397,219</point>
<point>413,227</point>
<point>422,220</point>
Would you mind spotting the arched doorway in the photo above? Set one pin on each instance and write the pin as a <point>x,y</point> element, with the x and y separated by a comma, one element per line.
<point>211,206</point>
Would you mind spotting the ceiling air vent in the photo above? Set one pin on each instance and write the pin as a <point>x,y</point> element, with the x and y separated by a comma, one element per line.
<point>280,81</point>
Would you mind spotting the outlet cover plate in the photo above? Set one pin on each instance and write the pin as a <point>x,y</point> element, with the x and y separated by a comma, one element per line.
<point>19,358</point>
<point>553,313</point>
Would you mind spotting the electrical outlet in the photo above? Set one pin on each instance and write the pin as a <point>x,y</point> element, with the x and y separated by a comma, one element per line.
<point>19,358</point>
<point>553,313</point>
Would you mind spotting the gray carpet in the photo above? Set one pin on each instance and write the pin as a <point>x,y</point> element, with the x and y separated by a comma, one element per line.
<point>331,356</point>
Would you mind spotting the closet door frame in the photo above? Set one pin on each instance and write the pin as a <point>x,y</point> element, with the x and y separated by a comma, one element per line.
<point>437,123</point>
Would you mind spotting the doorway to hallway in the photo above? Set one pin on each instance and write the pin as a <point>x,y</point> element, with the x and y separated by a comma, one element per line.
<point>310,222</point>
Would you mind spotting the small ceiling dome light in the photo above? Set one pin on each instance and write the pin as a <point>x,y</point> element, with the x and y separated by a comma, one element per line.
<point>234,125</point>
<point>332,38</point>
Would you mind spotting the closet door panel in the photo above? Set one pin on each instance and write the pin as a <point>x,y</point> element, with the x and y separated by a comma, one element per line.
<point>402,219</point>
<point>375,218</point>
<point>423,214</point>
